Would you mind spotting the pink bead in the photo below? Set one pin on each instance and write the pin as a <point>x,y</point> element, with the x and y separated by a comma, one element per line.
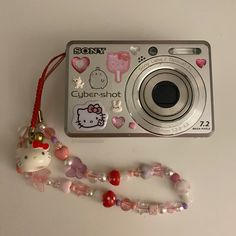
<point>175,177</point>
<point>49,132</point>
<point>62,153</point>
<point>126,204</point>
<point>73,187</point>
<point>132,125</point>
<point>65,186</point>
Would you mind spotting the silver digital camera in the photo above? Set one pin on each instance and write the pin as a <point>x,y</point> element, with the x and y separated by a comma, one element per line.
<point>139,88</point>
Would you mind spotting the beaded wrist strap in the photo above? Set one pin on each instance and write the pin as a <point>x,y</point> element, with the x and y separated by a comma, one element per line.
<point>33,158</point>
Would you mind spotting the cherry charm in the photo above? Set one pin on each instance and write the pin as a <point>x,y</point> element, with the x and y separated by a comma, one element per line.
<point>114,177</point>
<point>109,199</point>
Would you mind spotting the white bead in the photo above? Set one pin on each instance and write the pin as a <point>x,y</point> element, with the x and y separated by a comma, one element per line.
<point>68,162</point>
<point>169,172</point>
<point>49,182</point>
<point>163,210</point>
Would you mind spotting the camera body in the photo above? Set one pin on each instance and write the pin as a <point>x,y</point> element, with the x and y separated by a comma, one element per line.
<point>139,88</point>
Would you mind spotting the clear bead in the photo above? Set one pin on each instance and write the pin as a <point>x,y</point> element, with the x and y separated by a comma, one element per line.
<point>142,207</point>
<point>187,198</point>
<point>182,187</point>
<point>41,126</point>
<point>102,177</point>
<point>124,176</point>
<point>97,195</point>
<point>168,172</point>
<point>126,204</point>
<point>153,209</point>
<point>89,192</point>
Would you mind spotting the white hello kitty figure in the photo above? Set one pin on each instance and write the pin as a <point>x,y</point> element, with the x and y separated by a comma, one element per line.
<point>89,117</point>
<point>33,158</point>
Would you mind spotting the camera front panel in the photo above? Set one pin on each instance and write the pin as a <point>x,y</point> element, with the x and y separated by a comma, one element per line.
<point>138,88</point>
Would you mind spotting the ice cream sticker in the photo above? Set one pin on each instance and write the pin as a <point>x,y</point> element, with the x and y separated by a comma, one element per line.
<point>118,63</point>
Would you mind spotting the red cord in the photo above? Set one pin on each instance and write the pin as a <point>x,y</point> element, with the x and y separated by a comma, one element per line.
<point>44,76</point>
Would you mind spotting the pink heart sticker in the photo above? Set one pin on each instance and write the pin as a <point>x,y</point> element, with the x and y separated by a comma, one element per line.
<point>201,62</point>
<point>80,64</point>
<point>118,122</point>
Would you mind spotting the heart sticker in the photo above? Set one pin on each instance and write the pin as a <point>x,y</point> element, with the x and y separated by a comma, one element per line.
<point>80,64</point>
<point>118,122</point>
<point>201,62</point>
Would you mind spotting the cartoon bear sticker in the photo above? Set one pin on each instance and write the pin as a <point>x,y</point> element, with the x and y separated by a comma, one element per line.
<point>98,79</point>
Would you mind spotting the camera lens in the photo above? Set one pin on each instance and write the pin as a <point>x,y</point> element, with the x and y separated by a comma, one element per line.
<point>152,51</point>
<point>165,94</point>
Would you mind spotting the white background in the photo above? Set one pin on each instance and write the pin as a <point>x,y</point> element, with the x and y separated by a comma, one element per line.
<point>31,32</point>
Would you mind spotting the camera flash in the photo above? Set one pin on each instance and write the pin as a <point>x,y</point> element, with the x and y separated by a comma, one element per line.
<point>185,51</point>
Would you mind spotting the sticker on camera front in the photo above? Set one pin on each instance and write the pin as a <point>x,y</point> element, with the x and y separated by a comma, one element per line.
<point>80,64</point>
<point>98,79</point>
<point>90,116</point>
<point>118,63</point>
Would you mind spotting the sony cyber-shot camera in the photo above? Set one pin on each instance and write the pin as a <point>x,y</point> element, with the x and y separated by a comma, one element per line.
<point>139,88</point>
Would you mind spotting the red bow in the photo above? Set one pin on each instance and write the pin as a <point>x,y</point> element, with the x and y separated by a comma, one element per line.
<point>94,109</point>
<point>38,144</point>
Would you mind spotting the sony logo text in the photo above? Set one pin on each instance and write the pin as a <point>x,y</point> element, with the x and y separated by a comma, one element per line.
<point>88,50</point>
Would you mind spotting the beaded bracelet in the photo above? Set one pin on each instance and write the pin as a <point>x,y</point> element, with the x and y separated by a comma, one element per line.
<point>33,157</point>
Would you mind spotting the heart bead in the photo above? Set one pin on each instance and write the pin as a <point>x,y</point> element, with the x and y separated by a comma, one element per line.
<point>114,177</point>
<point>62,153</point>
<point>109,199</point>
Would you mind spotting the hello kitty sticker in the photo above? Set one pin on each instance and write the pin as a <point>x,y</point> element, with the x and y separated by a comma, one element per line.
<point>90,116</point>
<point>118,63</point>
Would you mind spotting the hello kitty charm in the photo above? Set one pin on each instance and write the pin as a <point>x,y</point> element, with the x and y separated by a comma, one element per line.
<point>90,116</point>
<point>33,158</point>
